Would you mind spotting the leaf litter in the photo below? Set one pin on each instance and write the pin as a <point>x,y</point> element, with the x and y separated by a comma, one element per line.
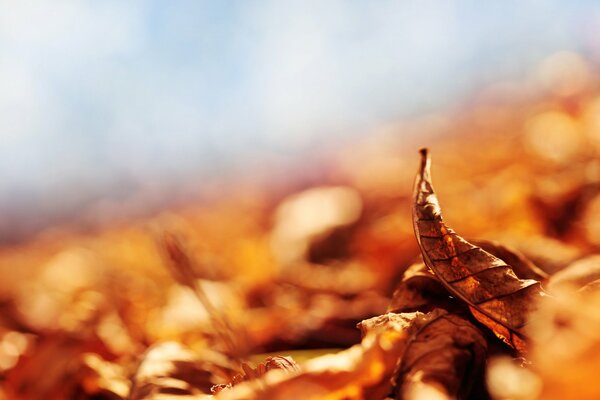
<point>368,288</point>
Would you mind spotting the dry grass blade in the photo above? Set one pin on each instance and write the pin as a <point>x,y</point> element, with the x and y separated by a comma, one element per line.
<point>181,268</point>
<point>487,284</point>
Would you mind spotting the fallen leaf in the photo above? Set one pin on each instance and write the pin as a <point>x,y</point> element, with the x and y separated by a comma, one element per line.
<point>248,373</point>
<point>446,356</point>
<point>550,255</point>
<point>170,369</point>
<point>419,290</point>
<point>103,379</point>
<point>50,367</point>
<point>521,265</point>
<point>487,284</point>
<point>360,372</point>
<point>576,275</point>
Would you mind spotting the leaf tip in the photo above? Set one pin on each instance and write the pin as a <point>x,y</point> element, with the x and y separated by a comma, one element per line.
<point>425,160</point>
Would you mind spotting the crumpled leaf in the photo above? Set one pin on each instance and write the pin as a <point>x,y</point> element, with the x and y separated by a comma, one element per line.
<point>487,284</point>
<point>446,356</point>
<point>50,367</point>
<point>286,315</point>
<point>362,371</point>
<point>576,275</point>
<point>170,369</point>
<point>277,362</point>
<point>419,290</point>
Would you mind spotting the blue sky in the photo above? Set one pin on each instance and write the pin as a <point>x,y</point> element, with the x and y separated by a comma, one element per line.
<point>97,93</point>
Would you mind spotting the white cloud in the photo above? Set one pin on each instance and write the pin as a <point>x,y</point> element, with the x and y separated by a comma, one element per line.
<point>48,50</point>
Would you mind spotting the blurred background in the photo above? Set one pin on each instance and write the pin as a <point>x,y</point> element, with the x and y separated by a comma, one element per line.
<point>103,102</point>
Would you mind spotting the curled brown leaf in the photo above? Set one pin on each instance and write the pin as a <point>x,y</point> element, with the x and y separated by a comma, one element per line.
<point>487,284</point>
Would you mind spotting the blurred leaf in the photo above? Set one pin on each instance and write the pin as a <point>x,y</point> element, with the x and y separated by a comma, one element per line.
<point>576,275</point>
<point>565,345</point>
<point>170,369</point>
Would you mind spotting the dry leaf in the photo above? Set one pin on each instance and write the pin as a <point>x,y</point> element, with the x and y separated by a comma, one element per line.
<point>50,368</point>
<point>521,265</point>
<point>170,369</point>
<point>362,371</point>
<point>278,362</point>
<point>446,355</point>
<point>490,288</point>
<point>419,290</point>
<point>103,379</point>
<point>550,255</point>
<point>576,275</point>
